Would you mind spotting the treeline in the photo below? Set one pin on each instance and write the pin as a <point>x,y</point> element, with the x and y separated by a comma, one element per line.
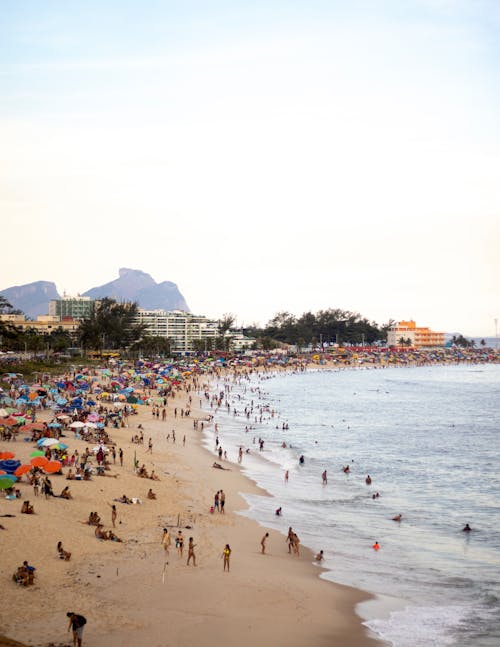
<point>333,326</point>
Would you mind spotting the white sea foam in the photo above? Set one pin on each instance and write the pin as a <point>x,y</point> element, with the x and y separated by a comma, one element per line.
<point>420,626</point>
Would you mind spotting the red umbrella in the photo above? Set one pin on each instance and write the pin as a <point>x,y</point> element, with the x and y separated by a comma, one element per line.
<point>6,455</point>
<point>22,469</point>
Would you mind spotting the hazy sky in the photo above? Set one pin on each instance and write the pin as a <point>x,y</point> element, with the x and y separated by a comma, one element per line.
<point>264,156</point>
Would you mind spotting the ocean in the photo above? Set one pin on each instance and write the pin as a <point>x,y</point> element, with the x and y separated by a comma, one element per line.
<point>429,439</point>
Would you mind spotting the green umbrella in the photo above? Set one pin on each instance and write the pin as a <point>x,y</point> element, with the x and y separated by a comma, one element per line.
<point>37,452</point>
<point>6,482</point>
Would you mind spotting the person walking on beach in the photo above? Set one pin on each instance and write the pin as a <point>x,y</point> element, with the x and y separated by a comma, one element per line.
<point>76,623</point>
<point>179,542</point>
<point>165,540</point>
<point>263,543</point>
<point>286,476</point>
<point>289,539</point>
<point>222,501</point>
<point>150,447</point>
<point>191,547</point>
<point>120,454</point>
<point>216,501</point>
<point>226,553</point>
<point>325,478</point>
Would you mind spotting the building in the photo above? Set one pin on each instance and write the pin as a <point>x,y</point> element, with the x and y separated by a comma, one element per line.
<point>43,324</point>
<point>187,332</point>
<point>183,329</point>
<point>408,333</point>
<point>74,307</point>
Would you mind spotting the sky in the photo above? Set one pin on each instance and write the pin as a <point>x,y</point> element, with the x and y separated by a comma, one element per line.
<point>265,156</point>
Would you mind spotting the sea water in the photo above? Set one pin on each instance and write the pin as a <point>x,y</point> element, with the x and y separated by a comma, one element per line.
<point>429,439</point>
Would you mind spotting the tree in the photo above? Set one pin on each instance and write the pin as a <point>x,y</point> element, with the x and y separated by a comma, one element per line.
<point>226,323</point>
<point>110,325</point>
<point>153,345</point>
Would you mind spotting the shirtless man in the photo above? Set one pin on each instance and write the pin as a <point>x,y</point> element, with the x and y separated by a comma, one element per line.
<point>263,543</point>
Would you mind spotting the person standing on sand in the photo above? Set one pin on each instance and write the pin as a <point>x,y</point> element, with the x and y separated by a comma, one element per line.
<point>222,501</point>
<point>263,543</point>
<point>120,454</point>
<point>179,542</point>
<point>191,547</point>
<point>289,539</point>
<point>77,623</point>
<point>226,553</point>
<point>114,514</point>
<point>165,540</point>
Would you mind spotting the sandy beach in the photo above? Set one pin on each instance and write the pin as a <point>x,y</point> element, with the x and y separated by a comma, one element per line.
<point>132,593</point>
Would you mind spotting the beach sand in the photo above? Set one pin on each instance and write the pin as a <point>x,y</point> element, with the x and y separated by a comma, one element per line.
<point>132,593</point>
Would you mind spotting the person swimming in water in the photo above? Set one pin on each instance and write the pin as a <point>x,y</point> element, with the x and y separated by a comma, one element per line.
<point>466,528</point>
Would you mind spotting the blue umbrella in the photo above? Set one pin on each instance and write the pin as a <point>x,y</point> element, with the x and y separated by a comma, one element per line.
<point>54,424</point>
<point>10,465</point>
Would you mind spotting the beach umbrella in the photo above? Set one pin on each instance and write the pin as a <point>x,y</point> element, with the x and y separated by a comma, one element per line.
<point>55,425</point>
<point>6,482</point>
<point>10,421</point>
<point>3,413</point>
<point>22,469</point>
<point>6,455</point>
<point>47,442</point>
<point>91,425</point>
<point>39,461</point>
<point>9,465</point>
<point>52,467</point>
<point>37,452</point>
<point>59,446</point>
<point>77,425</point>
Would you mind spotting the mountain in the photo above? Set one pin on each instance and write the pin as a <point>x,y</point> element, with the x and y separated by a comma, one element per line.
<point>32,298</point>
<point>134,285</point>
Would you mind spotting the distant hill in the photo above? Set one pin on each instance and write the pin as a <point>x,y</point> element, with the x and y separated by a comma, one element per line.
<point>132,285</point>
<point>32,298</point>
<point>135,285</point>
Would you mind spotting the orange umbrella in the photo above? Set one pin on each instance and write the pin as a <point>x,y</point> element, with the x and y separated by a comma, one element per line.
<point>6,455</point>
<point>2,472</point>
<point>10,421</point>
<point>52,466</point>
<point>25,428</point>
<point>22,469</point>
<point>39,461</point>
<point>38,426</point>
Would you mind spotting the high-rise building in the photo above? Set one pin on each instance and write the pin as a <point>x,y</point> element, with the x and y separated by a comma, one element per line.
<point>74,307</point>
<point>181,328</point>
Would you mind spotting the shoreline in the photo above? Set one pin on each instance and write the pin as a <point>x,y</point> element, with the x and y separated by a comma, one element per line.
<point>271,599</point>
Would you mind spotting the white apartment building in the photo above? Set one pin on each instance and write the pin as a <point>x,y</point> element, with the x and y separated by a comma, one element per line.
<point>182,328</point>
